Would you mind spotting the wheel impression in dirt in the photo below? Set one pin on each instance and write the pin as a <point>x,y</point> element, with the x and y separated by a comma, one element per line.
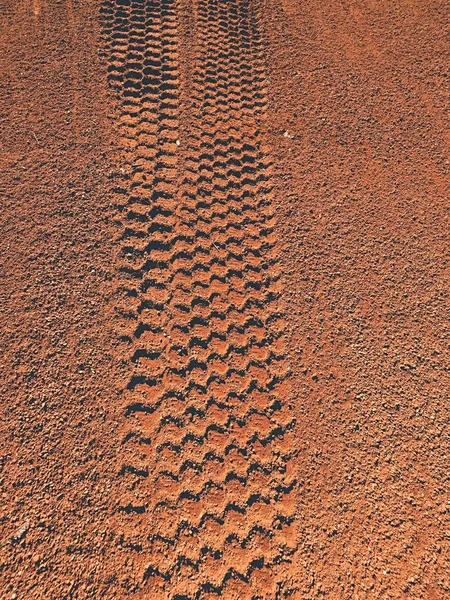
<point>208,482</point>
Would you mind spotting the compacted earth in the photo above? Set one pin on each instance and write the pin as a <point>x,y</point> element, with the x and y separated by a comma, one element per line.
<point>225,299</point>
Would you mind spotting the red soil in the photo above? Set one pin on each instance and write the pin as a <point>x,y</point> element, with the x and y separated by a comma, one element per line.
<point>225,292</point>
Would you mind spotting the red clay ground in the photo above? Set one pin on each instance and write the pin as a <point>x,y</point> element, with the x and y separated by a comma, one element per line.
<point>163,464</point>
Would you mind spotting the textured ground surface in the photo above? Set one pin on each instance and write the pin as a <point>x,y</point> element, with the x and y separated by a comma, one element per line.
<point>225,299</point>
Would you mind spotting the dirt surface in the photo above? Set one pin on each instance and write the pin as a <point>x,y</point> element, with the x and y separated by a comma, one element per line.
<point>225,299</point>
<point>362,90</point>
<point>58,366</point>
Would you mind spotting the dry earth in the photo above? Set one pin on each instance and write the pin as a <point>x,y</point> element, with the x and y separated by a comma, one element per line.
<point>224,294</point>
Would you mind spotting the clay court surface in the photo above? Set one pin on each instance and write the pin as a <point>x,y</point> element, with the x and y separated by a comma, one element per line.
<point>225,299</point>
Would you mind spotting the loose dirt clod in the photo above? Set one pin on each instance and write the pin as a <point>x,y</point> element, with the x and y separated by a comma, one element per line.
<point>21,532</point>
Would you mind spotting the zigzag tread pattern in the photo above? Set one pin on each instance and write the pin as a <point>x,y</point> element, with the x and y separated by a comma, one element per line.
<point>208,480</point>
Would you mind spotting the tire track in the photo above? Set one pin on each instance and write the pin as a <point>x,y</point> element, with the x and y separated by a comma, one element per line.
<point>207,472</point>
